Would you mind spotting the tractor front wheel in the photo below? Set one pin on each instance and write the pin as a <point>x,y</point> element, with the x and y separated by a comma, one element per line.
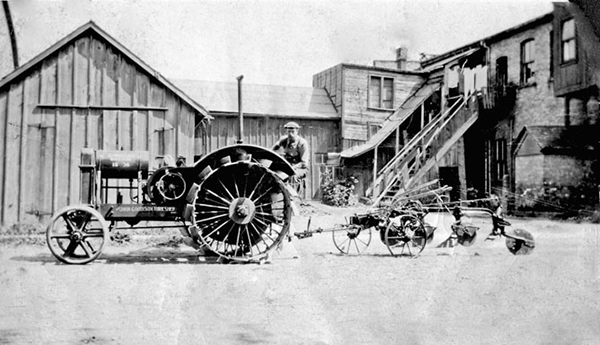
<point>77,234</point>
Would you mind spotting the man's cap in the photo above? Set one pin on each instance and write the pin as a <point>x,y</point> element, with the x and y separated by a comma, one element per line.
<point>291,124</point>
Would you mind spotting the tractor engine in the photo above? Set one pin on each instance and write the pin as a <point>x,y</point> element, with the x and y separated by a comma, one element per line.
<point>167,185</point>
<point>100,168</point>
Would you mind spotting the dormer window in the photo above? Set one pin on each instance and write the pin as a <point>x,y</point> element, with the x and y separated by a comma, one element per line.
<point>381,92</point>
<point>568,41</point>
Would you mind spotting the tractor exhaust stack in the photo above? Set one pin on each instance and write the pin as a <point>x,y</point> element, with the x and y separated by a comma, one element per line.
<point>240,112</point>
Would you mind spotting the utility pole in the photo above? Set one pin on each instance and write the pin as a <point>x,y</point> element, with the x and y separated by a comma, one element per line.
<point>11,33</point>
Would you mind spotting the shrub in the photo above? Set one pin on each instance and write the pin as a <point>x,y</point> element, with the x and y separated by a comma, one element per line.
<point>340,192</point>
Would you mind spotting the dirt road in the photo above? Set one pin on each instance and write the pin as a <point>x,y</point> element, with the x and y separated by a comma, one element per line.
<point>482,294</point>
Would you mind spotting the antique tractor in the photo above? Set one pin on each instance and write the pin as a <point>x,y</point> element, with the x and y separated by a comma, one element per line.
<point>233,203</point>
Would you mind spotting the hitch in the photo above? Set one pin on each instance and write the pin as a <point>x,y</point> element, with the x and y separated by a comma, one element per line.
<point>308,233</point>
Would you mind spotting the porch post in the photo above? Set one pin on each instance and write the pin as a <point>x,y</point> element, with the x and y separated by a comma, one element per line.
<point>375,192</point>
<point>397,140</point>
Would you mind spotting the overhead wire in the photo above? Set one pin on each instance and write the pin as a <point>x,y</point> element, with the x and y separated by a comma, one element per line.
<point>542,202</point>
<point>509,195</point>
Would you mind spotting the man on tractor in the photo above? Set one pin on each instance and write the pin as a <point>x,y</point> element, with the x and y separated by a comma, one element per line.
<point>295,151</point>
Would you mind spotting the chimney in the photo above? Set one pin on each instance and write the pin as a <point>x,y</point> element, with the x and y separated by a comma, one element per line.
<point>401,56</point>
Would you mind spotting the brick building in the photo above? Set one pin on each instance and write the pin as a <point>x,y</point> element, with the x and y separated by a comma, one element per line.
<point>529,112</point>
<point>539,112</point>
<point>542,146</point>
<point>520,61</point>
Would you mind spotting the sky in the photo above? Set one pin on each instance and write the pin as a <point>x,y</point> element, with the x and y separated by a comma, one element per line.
<point>282,42</point>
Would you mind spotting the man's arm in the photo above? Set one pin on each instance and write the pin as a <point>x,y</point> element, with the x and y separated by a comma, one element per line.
<point>277,145</point>
<point>304,155</point>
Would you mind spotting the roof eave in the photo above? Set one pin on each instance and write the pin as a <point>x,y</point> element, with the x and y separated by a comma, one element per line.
<point>96,29</point>
<point>43,55</point>
<point>254,114</point>
<point>491,39</point>
<point>384,69</point>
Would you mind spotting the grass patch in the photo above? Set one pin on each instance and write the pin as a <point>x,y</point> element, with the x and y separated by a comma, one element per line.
<point>23,229</point>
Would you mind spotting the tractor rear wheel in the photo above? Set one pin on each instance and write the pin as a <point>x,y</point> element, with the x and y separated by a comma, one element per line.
<point>242,211</point>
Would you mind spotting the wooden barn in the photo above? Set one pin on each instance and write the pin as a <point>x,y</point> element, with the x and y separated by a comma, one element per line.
<point>87,90</point>
<point>266,109</point>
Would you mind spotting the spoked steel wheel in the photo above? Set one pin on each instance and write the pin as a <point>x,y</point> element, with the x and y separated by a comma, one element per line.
<point>353,240</point>
<point>242,211</point>
<point>405,235</point>
<point>77,234</point>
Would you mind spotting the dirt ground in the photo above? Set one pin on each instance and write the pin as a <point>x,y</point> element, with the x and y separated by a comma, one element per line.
<point>140,293</point>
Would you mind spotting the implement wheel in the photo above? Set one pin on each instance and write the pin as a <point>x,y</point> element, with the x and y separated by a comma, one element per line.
<point>77,234</point>
<point>353,240</point>
<point>243,211</point>
<point>405,235</point>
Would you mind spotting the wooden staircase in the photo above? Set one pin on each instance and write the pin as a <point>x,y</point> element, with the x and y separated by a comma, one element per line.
<point>422,152</point>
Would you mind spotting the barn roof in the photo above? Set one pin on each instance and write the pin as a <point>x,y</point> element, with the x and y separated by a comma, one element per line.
<point>274,100</point>
<point>91,27</point>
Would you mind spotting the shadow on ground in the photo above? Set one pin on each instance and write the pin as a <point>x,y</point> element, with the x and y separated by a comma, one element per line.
<point>147,255</point>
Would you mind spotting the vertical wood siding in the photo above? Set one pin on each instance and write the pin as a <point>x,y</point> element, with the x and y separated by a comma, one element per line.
<point>357,113</point>
<point>40,146</point>
<point>331,81</point>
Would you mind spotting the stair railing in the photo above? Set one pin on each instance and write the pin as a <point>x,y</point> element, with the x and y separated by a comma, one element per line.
<point>395,168</point>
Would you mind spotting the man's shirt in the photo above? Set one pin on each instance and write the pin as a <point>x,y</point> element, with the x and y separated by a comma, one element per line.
<point>294,152</point>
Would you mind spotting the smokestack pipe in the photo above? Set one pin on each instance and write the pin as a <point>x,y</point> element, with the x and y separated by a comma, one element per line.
<point>240,112</point>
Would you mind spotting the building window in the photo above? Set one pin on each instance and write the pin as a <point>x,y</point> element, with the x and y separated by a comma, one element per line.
<point>500,158</point>
<point>381,92</point>
<point>320,158</point>
<point>373,129</point>
<point>501,73</point>
<point>568,41</point>
<point>527,56</point>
